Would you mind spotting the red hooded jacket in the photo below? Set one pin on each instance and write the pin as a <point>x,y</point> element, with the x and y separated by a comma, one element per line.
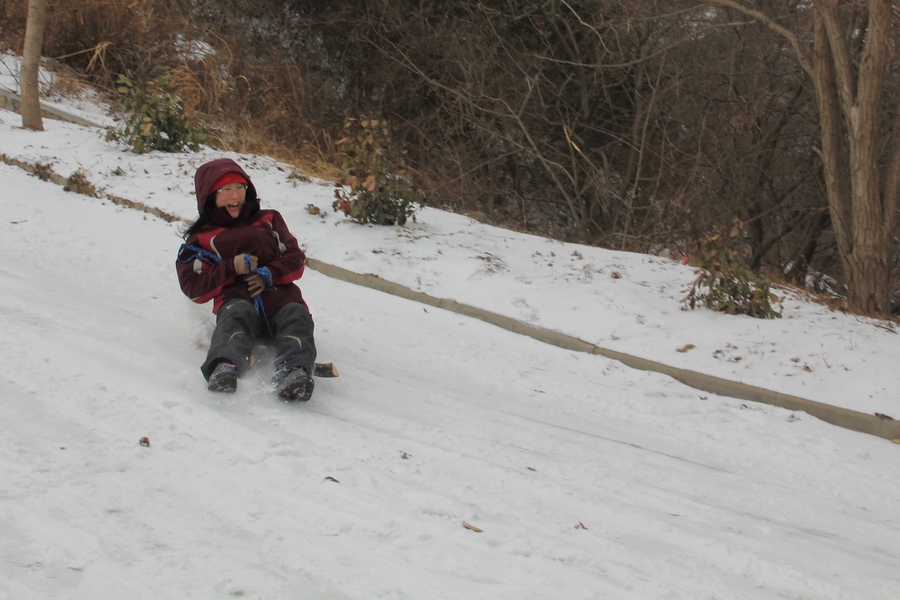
<point>205,263</point>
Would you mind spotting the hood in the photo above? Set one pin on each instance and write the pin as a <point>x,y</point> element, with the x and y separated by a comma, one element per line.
<point>209,173</point>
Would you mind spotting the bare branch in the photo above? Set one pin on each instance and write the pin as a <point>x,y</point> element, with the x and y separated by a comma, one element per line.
<point>791,37</point>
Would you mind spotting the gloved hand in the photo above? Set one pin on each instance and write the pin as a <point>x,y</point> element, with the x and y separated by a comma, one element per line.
<point>256,283</point>
<point>240,264</point>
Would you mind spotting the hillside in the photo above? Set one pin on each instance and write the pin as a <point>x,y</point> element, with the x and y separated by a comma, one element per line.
<point>452,459</point>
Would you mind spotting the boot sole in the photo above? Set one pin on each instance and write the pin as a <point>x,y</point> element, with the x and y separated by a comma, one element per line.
<point>225,386</point>
<point>300,391</point>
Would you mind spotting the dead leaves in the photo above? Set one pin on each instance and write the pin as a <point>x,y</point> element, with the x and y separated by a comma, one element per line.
<point>728,353</point>
<point>477,529</point>
<point>471,527</point>
<point>804,366</point>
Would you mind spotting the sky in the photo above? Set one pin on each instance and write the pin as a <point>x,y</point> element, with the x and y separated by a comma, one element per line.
<point>451,458</point>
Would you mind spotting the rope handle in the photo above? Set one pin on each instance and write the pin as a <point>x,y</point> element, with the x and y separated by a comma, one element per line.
<point>198,253</point>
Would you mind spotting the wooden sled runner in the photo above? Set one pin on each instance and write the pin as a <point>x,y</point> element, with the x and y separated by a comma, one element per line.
<point>326,370</point>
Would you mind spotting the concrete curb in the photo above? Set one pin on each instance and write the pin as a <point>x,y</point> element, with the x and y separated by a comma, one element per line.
<point>873,424</point>
<point>877,425</point>
<point>11,100</point>
<point>46,173</point>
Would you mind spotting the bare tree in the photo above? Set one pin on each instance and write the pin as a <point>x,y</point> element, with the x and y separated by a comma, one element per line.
<point>631,123</point>
<point>31,62</point>
<point>847,50</point>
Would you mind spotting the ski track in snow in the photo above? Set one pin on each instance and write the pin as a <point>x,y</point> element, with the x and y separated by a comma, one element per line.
<point>587,479</point>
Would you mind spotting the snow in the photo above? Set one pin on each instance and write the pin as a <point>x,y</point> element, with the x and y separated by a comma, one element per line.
<point>586,479</point>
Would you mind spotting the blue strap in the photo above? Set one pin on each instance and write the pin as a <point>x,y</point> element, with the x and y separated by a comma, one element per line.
<point>261,309</point>
<point>197,253</point>
<point>267,275</point>
<point>258,301</point>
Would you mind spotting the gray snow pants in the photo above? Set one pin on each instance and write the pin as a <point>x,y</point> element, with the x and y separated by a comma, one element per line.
<point>239,328</point>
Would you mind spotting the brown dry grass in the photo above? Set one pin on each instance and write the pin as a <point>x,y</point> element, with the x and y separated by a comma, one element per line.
<point>245,104</point>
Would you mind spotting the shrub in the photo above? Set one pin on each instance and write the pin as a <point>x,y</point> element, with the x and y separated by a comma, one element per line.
<point>43,171</point>
<point>725,283</point>
<point>375,173</point>
<point>79,183</point>
<point>153,118</point>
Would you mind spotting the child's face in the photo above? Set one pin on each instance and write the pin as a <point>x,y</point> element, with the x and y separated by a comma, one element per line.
<point>232,198</point>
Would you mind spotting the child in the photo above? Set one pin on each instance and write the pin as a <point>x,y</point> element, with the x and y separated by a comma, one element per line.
<point>245,260</point>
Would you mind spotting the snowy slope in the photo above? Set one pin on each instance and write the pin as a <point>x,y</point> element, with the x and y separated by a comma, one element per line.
<point>618,300</point>
<point>586,479</point>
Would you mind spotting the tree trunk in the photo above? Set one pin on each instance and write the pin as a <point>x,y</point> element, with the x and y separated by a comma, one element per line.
<point>860,200</point>
<point>31,62</point>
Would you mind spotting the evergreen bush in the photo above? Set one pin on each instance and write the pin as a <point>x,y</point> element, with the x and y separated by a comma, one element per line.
<point>725,283</point>
<point>153,118</point>
<point>375,173</point>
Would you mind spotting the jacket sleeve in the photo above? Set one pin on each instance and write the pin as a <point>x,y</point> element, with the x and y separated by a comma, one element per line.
<point>291,261</point>
<point>202,279</point>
